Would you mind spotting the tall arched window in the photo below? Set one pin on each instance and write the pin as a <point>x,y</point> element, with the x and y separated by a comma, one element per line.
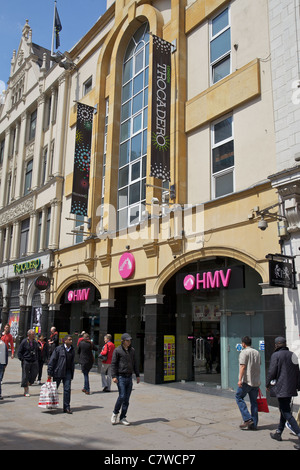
<point>133,133</point>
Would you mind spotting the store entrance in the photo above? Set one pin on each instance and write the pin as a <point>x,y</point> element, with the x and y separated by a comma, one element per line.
<point>207,352</point>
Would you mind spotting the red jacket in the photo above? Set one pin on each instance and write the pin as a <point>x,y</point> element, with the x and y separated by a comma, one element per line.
<point>8,340</point>
<point>108,350</point>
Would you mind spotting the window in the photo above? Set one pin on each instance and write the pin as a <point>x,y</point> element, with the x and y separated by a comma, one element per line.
<point>24,237</point>
<point>44,165</point>
<point>79,227</point>
<point>48,222</point>
<point>222,157</point>
<point>39,230</point>
<point>133,131</point>
<point>32,125</point>
<point>220,46</point>
<point>104,155</point>
<point>2,151</point>
<point>87,86</point>
<point>28,177</point>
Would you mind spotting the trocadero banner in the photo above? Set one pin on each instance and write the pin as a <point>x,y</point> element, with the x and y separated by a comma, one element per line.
<point>82,159</point>
<point>161,99</point>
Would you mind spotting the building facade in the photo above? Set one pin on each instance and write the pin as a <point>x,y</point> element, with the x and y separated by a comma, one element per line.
<point>180,264</point>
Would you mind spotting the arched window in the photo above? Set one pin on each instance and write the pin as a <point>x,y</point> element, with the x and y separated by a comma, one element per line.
<point>133,132</point>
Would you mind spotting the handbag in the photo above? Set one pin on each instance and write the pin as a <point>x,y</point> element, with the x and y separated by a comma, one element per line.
<point>262,403</point>
<point>48,396</point>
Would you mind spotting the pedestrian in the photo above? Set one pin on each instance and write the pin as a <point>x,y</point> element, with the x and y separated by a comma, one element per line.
<point>61,367</point>
<point>53,341</point>
<point>28,354</point>
<point>3,363</point>
<point>283,382</point>
<point>107,351</point>
<point>123,365</point>
<point>86,359</point>
<point>8,339</point>
<point>43,355</point>
<point>248,383</point>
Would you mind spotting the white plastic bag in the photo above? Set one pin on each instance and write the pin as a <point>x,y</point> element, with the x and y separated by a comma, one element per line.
<point>48,396</point>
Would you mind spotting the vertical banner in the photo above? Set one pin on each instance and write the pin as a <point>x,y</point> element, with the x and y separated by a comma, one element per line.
<point>82,159</point>
<point>161,105</point>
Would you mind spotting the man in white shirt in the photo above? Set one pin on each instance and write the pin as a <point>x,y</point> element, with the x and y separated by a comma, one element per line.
<point>248,383</point>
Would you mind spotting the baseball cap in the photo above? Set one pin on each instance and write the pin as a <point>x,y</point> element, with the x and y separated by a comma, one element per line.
<point>125,336</point>
<point>280,340</point>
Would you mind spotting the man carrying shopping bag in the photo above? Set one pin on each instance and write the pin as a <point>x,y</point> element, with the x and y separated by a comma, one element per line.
<point>61,367</point>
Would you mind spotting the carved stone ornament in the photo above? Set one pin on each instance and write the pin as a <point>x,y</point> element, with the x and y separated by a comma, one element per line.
<point>17,211</point>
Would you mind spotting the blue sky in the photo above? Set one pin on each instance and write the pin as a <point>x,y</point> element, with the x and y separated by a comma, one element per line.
<point>76,17</point>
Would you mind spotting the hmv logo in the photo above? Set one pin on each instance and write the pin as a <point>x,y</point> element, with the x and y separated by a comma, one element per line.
<point>207,280</point>
<point>78,295</point>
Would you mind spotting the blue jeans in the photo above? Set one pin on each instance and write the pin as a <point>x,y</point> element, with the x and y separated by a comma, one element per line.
<point>86,385</point>
<point>125,388</point>
<point>239,397</point>
<point>2,369</point>
<point>67,388</point>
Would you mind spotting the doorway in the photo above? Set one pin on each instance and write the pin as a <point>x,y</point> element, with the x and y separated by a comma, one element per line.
<point>207,352</point>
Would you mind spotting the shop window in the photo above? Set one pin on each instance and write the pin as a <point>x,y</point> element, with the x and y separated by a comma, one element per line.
<point>222,157</point>
<point>133,131</point>
<point>220,46</point>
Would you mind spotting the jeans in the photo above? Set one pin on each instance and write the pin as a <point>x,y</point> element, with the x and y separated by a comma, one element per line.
<point>86,385</point>
<point>67,388</point>
<point>125,388</point>
<point>2,369</point>
<point>286,415</point>
<point>239,397</point>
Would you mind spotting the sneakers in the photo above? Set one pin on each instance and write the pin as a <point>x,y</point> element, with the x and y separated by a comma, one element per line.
<point>287,425</point>
<point>276,435</point>
<point>125,422</point>
<point>114,420</point>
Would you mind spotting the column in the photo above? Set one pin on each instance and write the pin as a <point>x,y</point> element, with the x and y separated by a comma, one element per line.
<point>61,117</point>
<point>154,339</point>
<point>15,240</point>
<point>54,224</point>
<point>20,160</point>
<point>32,233</point>
<point>3,186</point>
<point>38,142</point>
<point>43,229</point>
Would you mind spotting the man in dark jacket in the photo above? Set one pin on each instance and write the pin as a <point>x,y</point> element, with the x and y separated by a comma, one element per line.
<point>86,359</point>
<point>28,354</point>
<point>283,382</point>
<point>122,367</point>
<point>61,367</point>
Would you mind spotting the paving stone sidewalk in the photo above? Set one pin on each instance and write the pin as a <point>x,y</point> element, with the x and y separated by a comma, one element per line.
<point>170,417</point>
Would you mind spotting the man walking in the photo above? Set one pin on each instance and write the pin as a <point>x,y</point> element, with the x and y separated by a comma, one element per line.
<point>248,383</point>
<point>28,354</point>
<point>122,367</point>
<point>107,351</point>
<point>283,382</point>
<point>61,367</point>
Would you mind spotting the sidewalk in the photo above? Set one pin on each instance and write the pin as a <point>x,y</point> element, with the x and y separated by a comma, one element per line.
<point>163,417</point>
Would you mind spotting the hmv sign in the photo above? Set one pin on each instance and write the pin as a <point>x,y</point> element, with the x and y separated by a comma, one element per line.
<point>80,295</point>
<point>232,278</point>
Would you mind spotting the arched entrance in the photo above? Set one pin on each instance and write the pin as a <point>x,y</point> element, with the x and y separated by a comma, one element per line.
<point>79,310</point>
<point>218,301</point>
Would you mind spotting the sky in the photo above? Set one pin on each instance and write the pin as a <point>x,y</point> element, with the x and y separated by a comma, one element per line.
<point>76,18</point>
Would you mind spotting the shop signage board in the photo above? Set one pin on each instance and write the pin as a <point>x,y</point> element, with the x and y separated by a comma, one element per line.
<point>80,295</point>
<point>42,283</point>
<point>126,265</point>
<point>232,278</point>
<point>20,268</point>
<point>282,271</point>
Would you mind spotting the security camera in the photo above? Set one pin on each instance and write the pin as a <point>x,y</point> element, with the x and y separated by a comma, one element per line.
<point>262,224</point>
